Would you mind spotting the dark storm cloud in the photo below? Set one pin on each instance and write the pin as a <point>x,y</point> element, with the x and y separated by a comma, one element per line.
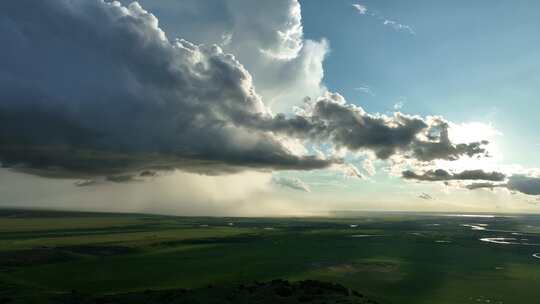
<point>96,88</point>
<point>443,175</point>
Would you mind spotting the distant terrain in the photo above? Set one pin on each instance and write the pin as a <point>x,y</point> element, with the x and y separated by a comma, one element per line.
<point>72,257</point>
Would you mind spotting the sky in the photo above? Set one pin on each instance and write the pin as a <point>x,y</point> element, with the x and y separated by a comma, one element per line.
<point>278,108</point>
<point>468,61</point>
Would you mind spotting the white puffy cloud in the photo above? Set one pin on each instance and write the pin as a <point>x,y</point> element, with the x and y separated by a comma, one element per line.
<point>399,26</point>
<point>266,36</point>
<point>362,9</point>
<point>369,167</point>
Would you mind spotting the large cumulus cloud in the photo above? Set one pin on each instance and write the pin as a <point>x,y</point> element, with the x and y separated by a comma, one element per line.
<point>266,36</point>
<point>95,87</point>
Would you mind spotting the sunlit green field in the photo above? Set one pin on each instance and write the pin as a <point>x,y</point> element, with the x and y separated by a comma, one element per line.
<point>393,258</point>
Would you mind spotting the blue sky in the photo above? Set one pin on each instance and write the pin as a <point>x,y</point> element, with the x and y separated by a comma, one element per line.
<point>468,61</point>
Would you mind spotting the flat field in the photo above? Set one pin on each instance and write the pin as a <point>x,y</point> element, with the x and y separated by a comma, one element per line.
<point>392,258</point>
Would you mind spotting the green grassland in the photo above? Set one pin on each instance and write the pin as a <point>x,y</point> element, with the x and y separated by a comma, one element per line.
<point>391,258</point>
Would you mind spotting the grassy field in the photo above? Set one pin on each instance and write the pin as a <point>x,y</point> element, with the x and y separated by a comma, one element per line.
<point>392,258</point>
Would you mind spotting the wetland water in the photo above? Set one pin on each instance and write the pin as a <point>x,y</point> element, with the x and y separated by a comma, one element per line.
<point>505,237</point>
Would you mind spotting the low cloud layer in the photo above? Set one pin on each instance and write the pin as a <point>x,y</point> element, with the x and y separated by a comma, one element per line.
<point>267,37</point>
<point>332,119</point>
<point>524,184</point>
<point>291,183</point>
<point>425,196</point>
<point>97,88</point>
<point>519,183</point>
<point>529,185</point>
<point>443,175</point>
